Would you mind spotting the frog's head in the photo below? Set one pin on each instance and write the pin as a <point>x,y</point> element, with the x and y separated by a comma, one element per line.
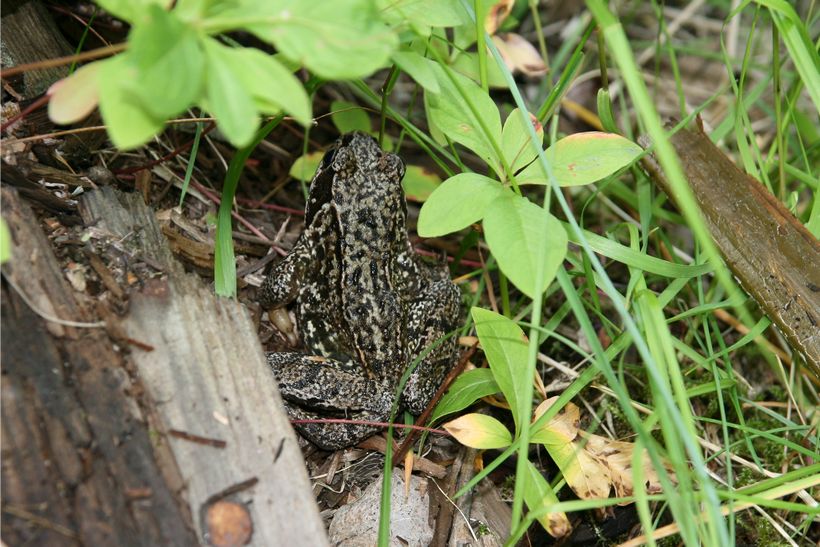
<point>354,174</point>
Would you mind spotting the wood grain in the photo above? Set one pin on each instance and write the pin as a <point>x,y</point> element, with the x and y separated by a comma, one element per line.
<point>775,258</point>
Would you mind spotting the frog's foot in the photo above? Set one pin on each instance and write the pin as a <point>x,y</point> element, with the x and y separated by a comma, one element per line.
<point>319,388</point>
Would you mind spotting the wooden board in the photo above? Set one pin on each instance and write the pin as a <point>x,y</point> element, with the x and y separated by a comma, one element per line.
<point>119,438</point>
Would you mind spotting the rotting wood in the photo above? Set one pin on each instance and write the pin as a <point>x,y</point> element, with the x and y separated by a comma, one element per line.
<point>772,254</point>
<point>75,443</point>
<point>86,458</point>
<point>209,377</point>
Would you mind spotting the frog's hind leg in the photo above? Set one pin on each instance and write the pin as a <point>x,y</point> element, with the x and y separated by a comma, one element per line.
<point>432,315</point>
<point>320,388</point>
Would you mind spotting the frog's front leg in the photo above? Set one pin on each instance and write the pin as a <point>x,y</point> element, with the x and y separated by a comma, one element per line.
<point>432,315</point>
<point>282,283</point>
<point>318,388</point>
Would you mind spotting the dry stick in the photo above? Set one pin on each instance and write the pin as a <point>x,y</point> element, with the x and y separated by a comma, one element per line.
<point>60,61</point>
<point>398,455</point>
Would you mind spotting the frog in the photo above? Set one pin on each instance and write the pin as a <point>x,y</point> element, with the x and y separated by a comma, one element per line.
<point>366,304</point>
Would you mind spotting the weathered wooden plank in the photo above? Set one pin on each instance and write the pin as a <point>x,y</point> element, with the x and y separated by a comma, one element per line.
<point>772,254</point>
<point>209,377</point>
<point>75,444</point>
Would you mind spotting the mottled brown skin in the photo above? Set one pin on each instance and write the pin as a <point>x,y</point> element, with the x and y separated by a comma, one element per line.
<point>365,303</point>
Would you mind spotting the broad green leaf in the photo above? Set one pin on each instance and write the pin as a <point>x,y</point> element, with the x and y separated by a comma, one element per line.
<point>131,10</point>
<point>227,98</point>
<point>466,64</point>
<point>423,14</point>
<point>515,140</point>
<point>349,117</point>
<point>128,124</point>
<point>419,183</point>
<point>479,431</point>
<point>75,97</point>
<point>5,244</point>
<point>271,85</point>
<point>169,61</point>
<point>518,232</point>
<point>305,166</point>
<point>505,347</point>
<point>468,388</point>
<point>419,68</point>
<point>458,202</point>
<point>450,111</point>
<point>538,494</point>
<point>583,158</point>
<point>340,41</point>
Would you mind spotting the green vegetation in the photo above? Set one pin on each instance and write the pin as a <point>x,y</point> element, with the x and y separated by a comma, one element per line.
<point>648,308</point>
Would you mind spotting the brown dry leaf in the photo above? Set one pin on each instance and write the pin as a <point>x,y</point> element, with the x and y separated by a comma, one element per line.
<point>588,477</point>
<point>519,55</point>
<point>617,457</point>
<point>496,15</point>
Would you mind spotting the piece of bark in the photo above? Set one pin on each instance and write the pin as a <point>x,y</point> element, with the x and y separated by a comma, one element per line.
<point>210,379</point>
<point>75,442</point>
<point>775,258</point>
<point>30,35</point>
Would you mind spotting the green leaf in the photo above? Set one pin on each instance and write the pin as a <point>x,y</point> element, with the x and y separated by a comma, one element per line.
<point>305,166</point>
<point>349,117</point>
<point>75,97</point>
<point>169,62</point>
<point>421,69</point>
<point>227,99</point>
<point>271,85</point>
<point>343,41</point>
<point>467,65</point>
<point>419,183</point>
<point>423,14</point>
<point>538,494</point>
<point>131,10</point>
<point>468,388</point>
<point>458,202</point>
<point>128,124</point>
<point>515,141</point>
<point>583,158</point>
<point>5,244</point>
<point>479,431</point>
<point>518,232</point>
<point>450,111</point>
<point>505,347</point>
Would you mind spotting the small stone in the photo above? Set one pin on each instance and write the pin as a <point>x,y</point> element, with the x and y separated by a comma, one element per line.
<point>357,524</point>
<point>228,524</point>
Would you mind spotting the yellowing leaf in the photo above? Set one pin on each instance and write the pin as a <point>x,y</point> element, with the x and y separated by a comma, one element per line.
<point>519,55</point>
<point>587,476</point>
<point>72,99</point>
<point>496,15</point>
<point>617,456</point>
<point>561,429</point>
<point>479,431</point>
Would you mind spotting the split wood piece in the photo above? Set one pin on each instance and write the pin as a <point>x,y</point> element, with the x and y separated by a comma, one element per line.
<point>209,378</point>
<point>79,465</point>
<point>775,257</point>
